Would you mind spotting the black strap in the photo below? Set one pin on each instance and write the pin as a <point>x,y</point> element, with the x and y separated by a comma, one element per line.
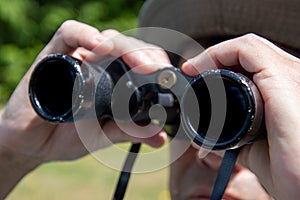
<point>221,182</point>
<point>126,172</point>
<point>224,173</point>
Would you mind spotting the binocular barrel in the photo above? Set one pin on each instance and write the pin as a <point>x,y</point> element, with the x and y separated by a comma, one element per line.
<point>230,110</point>
<point>61,87</point>
<point>217,109</point>
<point>51,87</point>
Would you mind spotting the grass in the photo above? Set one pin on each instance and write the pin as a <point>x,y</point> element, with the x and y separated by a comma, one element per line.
<point>87,178</point>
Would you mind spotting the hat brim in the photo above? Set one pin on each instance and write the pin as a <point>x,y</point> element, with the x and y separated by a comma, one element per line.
<point>276,20</point>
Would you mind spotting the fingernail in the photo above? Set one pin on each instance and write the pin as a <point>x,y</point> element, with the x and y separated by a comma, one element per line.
<point>202,153</point>
<point>163,134</point>
<point>187,65</point>
<point>189,68</point>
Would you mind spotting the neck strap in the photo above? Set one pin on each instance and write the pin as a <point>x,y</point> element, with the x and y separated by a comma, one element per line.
<point>224,173</point>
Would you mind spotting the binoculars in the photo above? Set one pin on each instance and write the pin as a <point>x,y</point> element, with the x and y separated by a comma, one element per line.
<point>218,109</point>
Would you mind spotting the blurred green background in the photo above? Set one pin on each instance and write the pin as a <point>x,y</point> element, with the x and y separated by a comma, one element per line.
<point>25,27</point>
<point>89,179</point>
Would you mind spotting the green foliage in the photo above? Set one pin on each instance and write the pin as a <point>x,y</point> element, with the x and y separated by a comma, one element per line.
<point>27,25</point>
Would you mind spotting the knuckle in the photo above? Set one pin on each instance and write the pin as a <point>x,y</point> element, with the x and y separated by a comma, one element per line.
<point>111,32</point>
<point>68,23</point>
<point>210,50</point>
<point>64,27</point>
<point>250,38</point>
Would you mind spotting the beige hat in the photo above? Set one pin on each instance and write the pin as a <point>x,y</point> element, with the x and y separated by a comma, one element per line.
<point>276,20</point>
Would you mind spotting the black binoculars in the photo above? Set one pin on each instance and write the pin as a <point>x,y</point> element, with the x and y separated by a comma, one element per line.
<point>218,109</point>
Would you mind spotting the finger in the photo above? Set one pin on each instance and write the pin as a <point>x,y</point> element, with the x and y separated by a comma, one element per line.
<point>256,158</point>
<point>200,64</point>
<point>246,51</point>
<point>73,34</point>
<point>141,56</point>
<point>211,159</point>
<point>146,61</point>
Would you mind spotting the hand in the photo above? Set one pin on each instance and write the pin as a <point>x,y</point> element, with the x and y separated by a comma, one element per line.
<point>276,73</point>
<point>26,140</point>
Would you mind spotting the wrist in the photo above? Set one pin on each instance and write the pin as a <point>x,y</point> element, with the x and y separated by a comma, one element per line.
<point>13,168</point>
<point>14,162</point>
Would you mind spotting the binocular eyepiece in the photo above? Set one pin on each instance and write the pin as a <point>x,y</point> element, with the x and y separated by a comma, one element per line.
<point>218,109</point>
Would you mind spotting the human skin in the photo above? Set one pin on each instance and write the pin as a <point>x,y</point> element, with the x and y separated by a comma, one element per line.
<point>27,141</point>
<point>32,141</point>
<point>192,176</point>
<point>276,160</point>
